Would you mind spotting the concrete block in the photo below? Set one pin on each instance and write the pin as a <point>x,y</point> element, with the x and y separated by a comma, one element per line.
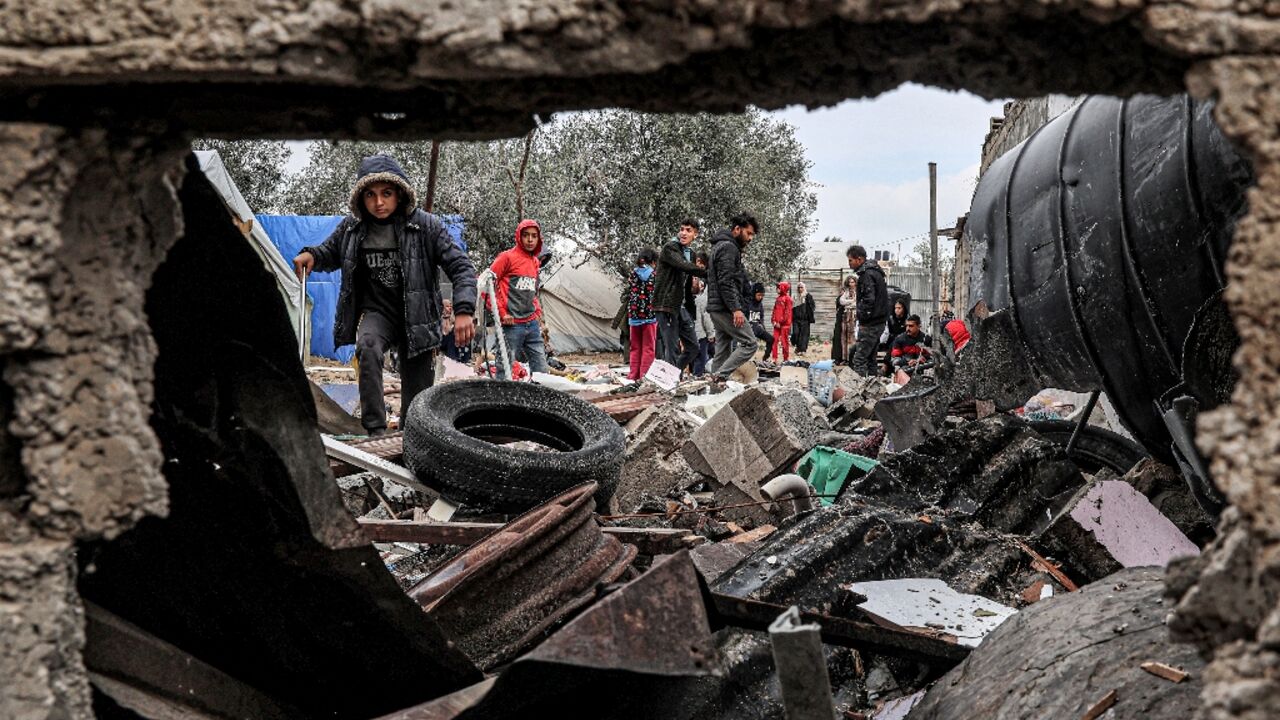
<point>760,433</point>
<point>653,466</point>
<point>1109,525</point>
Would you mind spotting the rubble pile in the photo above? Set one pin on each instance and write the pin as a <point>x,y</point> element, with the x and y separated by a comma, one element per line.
<point>950,541</point>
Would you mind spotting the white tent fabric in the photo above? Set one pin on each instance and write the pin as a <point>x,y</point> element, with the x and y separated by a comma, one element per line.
<point>579,298</point>
<point>286,282</point>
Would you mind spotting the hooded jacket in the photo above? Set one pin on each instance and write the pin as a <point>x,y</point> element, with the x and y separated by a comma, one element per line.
<point>873,294</point>
<point>755,308</point>
<point>727,284</point>
<point>516,271</point>
<point>671,287</point>
<point>425,248</point>
<point>782,305</point>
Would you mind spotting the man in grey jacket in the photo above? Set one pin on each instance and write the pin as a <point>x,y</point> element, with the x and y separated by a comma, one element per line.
<point>727,295</point>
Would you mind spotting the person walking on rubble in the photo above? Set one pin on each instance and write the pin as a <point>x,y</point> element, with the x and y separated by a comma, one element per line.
<point>872,309</point>
<point>515,274</point>
<point>727,295</point>
<point>390,252</point>
<point>802,317</point>
<point>782,308</point>
<point>673,297</point>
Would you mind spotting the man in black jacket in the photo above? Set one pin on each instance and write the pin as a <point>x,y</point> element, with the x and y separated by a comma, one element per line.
<point>673,297</point>
<point>728,294</point>
<point>389,252</point>
<point>872,309</point>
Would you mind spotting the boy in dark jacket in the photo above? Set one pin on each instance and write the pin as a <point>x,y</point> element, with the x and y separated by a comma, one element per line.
<point>872,309</point>
<point>516,286</point>
<point>756,317</point>
<point>727,290</point>
<point>389,252</point>
<point>641,316</point>
<point>673,297</point>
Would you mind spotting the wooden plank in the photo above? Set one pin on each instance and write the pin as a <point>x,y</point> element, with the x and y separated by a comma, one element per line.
<point>759,533</point>
<point>650,541</point>
<point>1168,672</point>
<point>1100,707</point>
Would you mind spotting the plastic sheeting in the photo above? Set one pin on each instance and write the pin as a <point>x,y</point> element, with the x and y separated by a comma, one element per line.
<point>289,234</point>
<point>579,299</point>
<point>214,170</point>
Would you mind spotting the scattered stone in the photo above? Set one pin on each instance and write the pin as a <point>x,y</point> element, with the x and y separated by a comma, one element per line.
<point>653,465</point>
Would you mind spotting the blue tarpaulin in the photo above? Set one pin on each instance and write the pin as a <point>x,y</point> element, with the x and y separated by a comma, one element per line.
<point>291,233</point>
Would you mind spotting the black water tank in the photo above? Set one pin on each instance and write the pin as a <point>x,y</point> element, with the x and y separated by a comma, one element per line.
<point>1105,232</point>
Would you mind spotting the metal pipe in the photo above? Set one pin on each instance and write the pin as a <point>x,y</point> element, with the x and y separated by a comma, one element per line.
<point>1084,420</point>
<point>790,486</point>
<point>302,317</point>
<point>802,668</point>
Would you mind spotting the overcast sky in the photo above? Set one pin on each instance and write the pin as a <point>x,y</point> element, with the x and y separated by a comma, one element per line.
<point>871,159</point>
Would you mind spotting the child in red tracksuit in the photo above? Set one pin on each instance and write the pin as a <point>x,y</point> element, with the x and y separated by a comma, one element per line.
<point>641,316</point>
<point>782,321</point>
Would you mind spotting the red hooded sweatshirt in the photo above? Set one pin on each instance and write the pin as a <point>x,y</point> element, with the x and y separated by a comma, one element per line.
<point>517,279</point>
<point>782,305</point>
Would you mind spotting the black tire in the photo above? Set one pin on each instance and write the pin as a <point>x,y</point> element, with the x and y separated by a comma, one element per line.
<point>447,444</point>
<point>1095,449</point>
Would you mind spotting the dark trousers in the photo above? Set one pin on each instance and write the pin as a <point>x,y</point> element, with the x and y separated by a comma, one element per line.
<point>374,336</point>
<point>863,357</point>
<point>675,328</point>
<point>800,336</point>
<point>762,334</point>
<point>704,355</point>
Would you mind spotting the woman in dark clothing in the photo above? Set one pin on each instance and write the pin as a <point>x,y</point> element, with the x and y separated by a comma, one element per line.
<point>801,318</point>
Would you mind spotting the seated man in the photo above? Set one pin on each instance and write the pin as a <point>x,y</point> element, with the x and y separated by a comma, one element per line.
<point>909,351</point>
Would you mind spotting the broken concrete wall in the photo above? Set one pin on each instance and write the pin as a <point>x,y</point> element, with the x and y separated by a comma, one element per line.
<point>88,218</point>
<point>486,67</point>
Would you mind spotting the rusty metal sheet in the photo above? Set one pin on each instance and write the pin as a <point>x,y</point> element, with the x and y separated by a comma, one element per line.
<point>635,654</point>
<point>499,596</point>
<point>649,541</point>
<point>142,673</point>
<point>626,407</point>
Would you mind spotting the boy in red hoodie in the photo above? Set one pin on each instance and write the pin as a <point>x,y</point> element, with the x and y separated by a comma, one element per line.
<point>782,321</point>
<point>516,287</point>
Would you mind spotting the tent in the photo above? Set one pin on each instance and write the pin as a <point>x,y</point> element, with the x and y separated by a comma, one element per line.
<point>213,169</point>
<point>289,234</point>
<point>579,298</point>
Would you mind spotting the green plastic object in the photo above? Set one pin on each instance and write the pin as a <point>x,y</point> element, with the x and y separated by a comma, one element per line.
<point>827,469</point>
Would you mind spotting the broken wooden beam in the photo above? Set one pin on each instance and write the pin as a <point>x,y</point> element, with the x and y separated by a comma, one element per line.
<point>727,610</point>
<point>650,541</point>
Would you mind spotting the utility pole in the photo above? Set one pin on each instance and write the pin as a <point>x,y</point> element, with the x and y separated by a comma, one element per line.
<point>431,177</point>
<point>933,239</point>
